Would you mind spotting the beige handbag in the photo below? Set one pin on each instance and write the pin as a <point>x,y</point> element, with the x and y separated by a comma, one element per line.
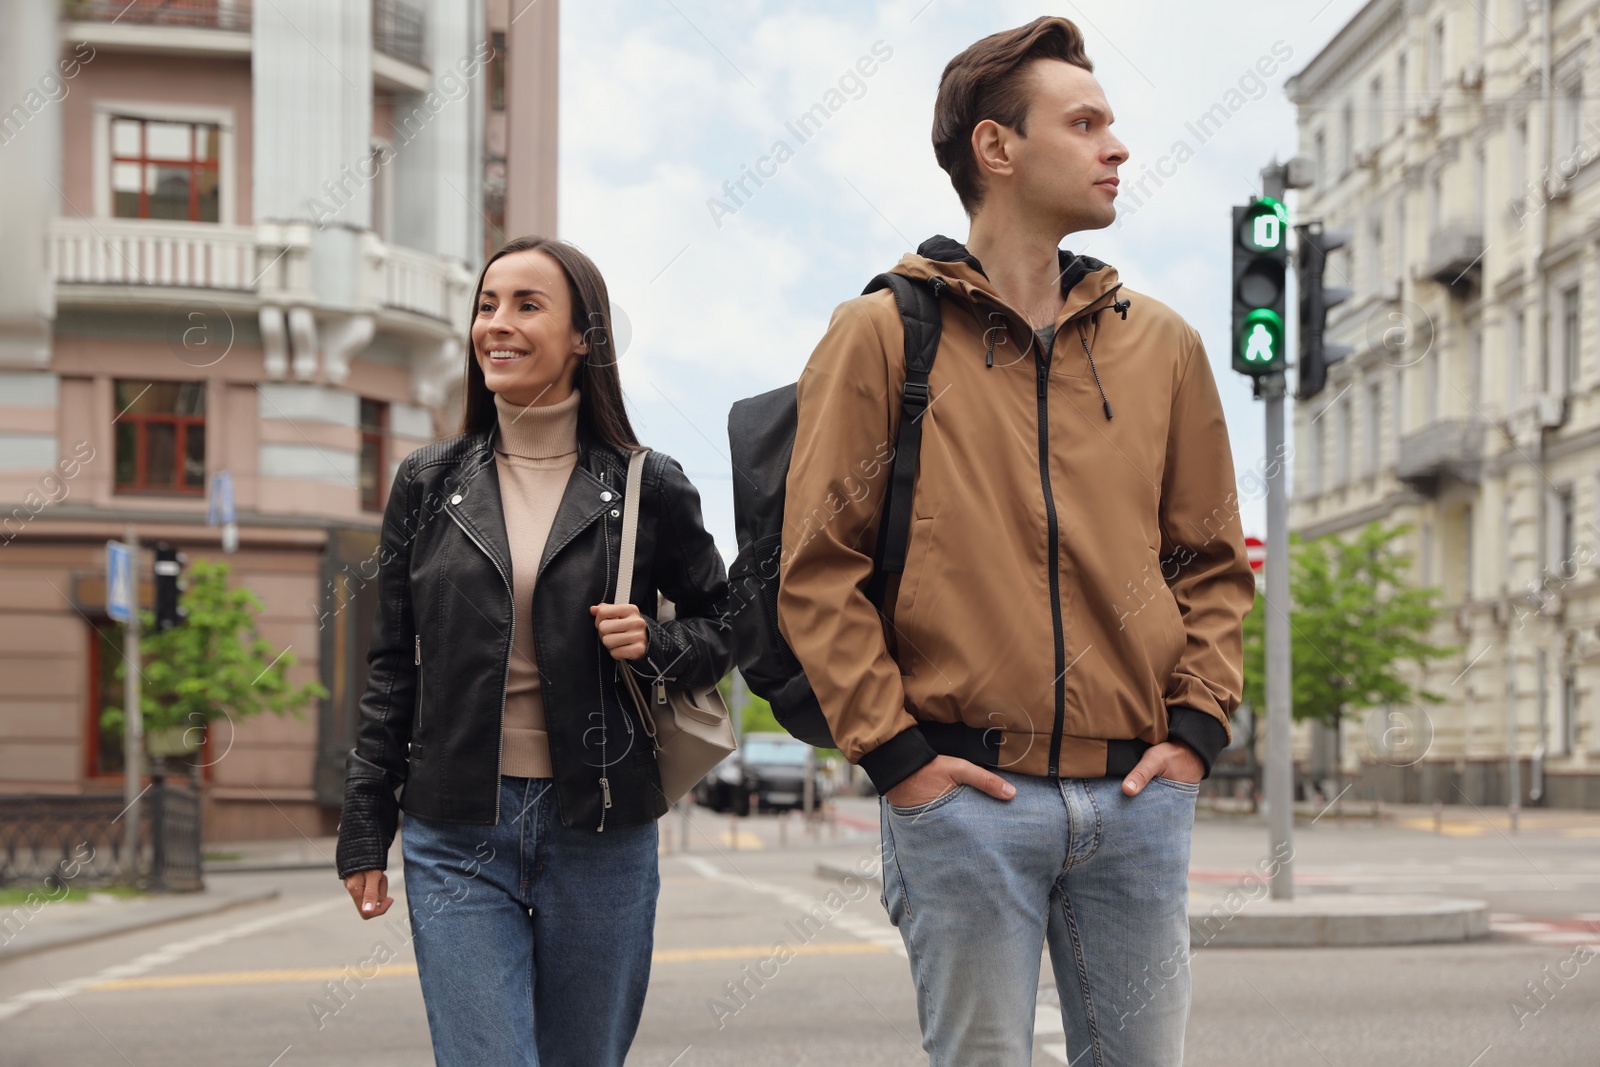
<point>690,728</point>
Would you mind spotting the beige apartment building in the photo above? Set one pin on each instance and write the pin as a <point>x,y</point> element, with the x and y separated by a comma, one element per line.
<point>236,239</point>
<point>1457,141</point>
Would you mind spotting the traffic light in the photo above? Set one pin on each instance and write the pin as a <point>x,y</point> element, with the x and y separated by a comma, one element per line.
<point>1315,300</point>
<point>1260,261</point>
<point>169,583</point>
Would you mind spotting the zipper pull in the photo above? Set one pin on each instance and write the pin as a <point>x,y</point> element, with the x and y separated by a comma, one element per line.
<point>605,792</point>
<point>419,650</point>
<point>1043,370</point>
<point>661,691</point>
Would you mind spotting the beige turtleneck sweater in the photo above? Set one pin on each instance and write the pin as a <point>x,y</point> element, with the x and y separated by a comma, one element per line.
<point>535,451</point>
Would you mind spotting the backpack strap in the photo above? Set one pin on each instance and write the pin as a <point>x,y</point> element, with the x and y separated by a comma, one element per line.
<point>918,303</point>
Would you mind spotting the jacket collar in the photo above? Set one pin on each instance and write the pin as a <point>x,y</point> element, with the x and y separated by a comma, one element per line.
<point>474,502</point>
<point>1087,284</point>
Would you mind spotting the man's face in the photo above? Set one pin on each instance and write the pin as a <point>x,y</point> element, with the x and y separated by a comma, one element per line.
<point>1066,166</point>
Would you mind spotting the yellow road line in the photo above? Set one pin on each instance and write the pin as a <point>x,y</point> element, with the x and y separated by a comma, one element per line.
<point>407,970</point>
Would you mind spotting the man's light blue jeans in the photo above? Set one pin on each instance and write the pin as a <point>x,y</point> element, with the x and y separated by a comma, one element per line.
<point>977,887</point>
<point>533,940</point>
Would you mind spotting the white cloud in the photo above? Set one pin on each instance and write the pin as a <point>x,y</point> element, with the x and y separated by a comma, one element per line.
<point>663,104</point>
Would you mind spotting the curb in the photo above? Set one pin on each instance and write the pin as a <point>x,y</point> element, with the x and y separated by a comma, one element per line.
<point>266,866</point>
<point>1336,920</point>
<point>1329,920</point>
<point>178,911</point>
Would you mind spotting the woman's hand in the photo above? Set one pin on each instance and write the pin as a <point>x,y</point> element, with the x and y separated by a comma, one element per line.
<point>370,891</point>
<point>622,629</point>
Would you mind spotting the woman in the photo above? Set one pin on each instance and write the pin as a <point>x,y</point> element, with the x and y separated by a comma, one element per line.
<point>495,714</point>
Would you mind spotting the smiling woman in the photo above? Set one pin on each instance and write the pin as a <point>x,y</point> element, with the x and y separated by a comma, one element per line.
<point>497,715</point>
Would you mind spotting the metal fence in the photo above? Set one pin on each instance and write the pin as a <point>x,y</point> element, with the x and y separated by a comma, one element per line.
<point>209,14</point>
<point>398,31</point>
<point>81,841</point>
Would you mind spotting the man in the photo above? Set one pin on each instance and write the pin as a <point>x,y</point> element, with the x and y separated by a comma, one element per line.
<point>1054,670</point>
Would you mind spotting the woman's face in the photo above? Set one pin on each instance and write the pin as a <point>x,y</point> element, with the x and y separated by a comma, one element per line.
<point>522,333</point>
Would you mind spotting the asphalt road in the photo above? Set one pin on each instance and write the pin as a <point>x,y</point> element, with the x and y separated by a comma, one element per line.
<point>251,986</point>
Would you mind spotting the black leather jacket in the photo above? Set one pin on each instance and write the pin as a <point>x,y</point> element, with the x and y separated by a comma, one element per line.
<point>429,735</point>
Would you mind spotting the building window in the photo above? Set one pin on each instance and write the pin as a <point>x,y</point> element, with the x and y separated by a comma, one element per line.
<point>1567,374</point>
<point>1432,386</point>
<point>1374,422</point>
<point>103,752</point>
<point>1475,362</point>
<point>1374,257</point>
<point>161,437</point>
<point>1567,728</point>
<point>164,170</point>
<point>1320,155</point>
<point>1342,442</point>
<point>1515,334</point>
<point>1400,91</point>
<point>497,72</point>
<point>1347,138</point>
<point>1375,113</point>
<point>1467,549</point>
<point>1569,115</point>
<point>1566,535</point>
<point>1436,56</point>
<point>1519,158</point>
<point>374,429</point>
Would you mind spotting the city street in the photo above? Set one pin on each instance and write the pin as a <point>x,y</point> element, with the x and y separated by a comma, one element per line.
<point>255,985</point>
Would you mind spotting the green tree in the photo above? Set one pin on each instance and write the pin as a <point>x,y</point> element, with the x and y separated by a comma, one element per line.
<point>1355,620</point>
<point>213,665</point>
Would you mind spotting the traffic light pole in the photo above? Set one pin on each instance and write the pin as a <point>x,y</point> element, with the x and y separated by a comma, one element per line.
<point>1279,766</point>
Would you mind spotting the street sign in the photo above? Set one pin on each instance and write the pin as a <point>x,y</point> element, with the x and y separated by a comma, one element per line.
<point>219,505</point>
<point>1257,552</point>
<point>120,581</point>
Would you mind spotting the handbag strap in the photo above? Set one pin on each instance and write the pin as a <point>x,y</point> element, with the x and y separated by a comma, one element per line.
<point>630,526</point>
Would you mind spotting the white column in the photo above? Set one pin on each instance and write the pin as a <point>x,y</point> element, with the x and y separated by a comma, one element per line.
<point>31,87</point>
<point>438,139</point>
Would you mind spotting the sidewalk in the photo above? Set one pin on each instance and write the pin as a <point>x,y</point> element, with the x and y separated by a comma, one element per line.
<point>56,924</point>
<point>286,854</point>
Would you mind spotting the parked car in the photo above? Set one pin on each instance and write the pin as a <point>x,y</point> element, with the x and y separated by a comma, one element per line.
<point>771,768</point>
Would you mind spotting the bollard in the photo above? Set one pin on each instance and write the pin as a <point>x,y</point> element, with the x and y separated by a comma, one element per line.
<point>1438,816</point>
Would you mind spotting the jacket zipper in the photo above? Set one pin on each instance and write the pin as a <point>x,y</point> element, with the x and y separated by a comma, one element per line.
<point>505,680</point>
<point>1042,362</point>
<point>420,691</point>
<point>1052,531</point>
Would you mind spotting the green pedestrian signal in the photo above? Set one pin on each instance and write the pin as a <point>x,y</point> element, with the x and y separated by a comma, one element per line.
<point>1260,263</point>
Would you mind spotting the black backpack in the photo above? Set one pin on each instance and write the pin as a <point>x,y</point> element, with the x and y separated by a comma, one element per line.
<point>761,441</point>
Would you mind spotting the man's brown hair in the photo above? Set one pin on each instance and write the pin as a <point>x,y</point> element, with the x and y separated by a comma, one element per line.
<point>989,81</point>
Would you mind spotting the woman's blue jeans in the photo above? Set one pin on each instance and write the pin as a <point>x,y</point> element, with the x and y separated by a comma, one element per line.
<point>533,940</point>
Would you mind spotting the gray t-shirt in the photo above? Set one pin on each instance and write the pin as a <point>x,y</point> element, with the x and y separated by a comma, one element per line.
<point>1047,334</point>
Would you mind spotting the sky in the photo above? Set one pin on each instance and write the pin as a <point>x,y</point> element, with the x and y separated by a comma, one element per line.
<point>722,293</point>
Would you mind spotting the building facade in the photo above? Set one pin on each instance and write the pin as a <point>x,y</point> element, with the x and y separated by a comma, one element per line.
<point>239,240</point>
<point>1456,142</point>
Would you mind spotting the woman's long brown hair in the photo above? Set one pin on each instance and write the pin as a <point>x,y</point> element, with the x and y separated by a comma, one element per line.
<point>600,409</point>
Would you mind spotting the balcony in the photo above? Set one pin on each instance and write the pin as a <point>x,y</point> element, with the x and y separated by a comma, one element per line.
<point>210,14</point>
<point>161,264</point>
<point>175,27</point>
<point>1455,258</point>
<point>1451,449</point>
<point>398,31</point>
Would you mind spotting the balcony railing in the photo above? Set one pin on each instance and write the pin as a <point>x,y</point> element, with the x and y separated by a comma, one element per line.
<point>189,255</point>
<point>205,14</point>
<point>272,261</point>
<point>1448,449</point>
<point>398,31</point>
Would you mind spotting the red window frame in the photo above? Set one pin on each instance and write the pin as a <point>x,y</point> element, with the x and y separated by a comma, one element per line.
<point>141,423</point>
<point>197,167</point>
<point>374,435</point>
